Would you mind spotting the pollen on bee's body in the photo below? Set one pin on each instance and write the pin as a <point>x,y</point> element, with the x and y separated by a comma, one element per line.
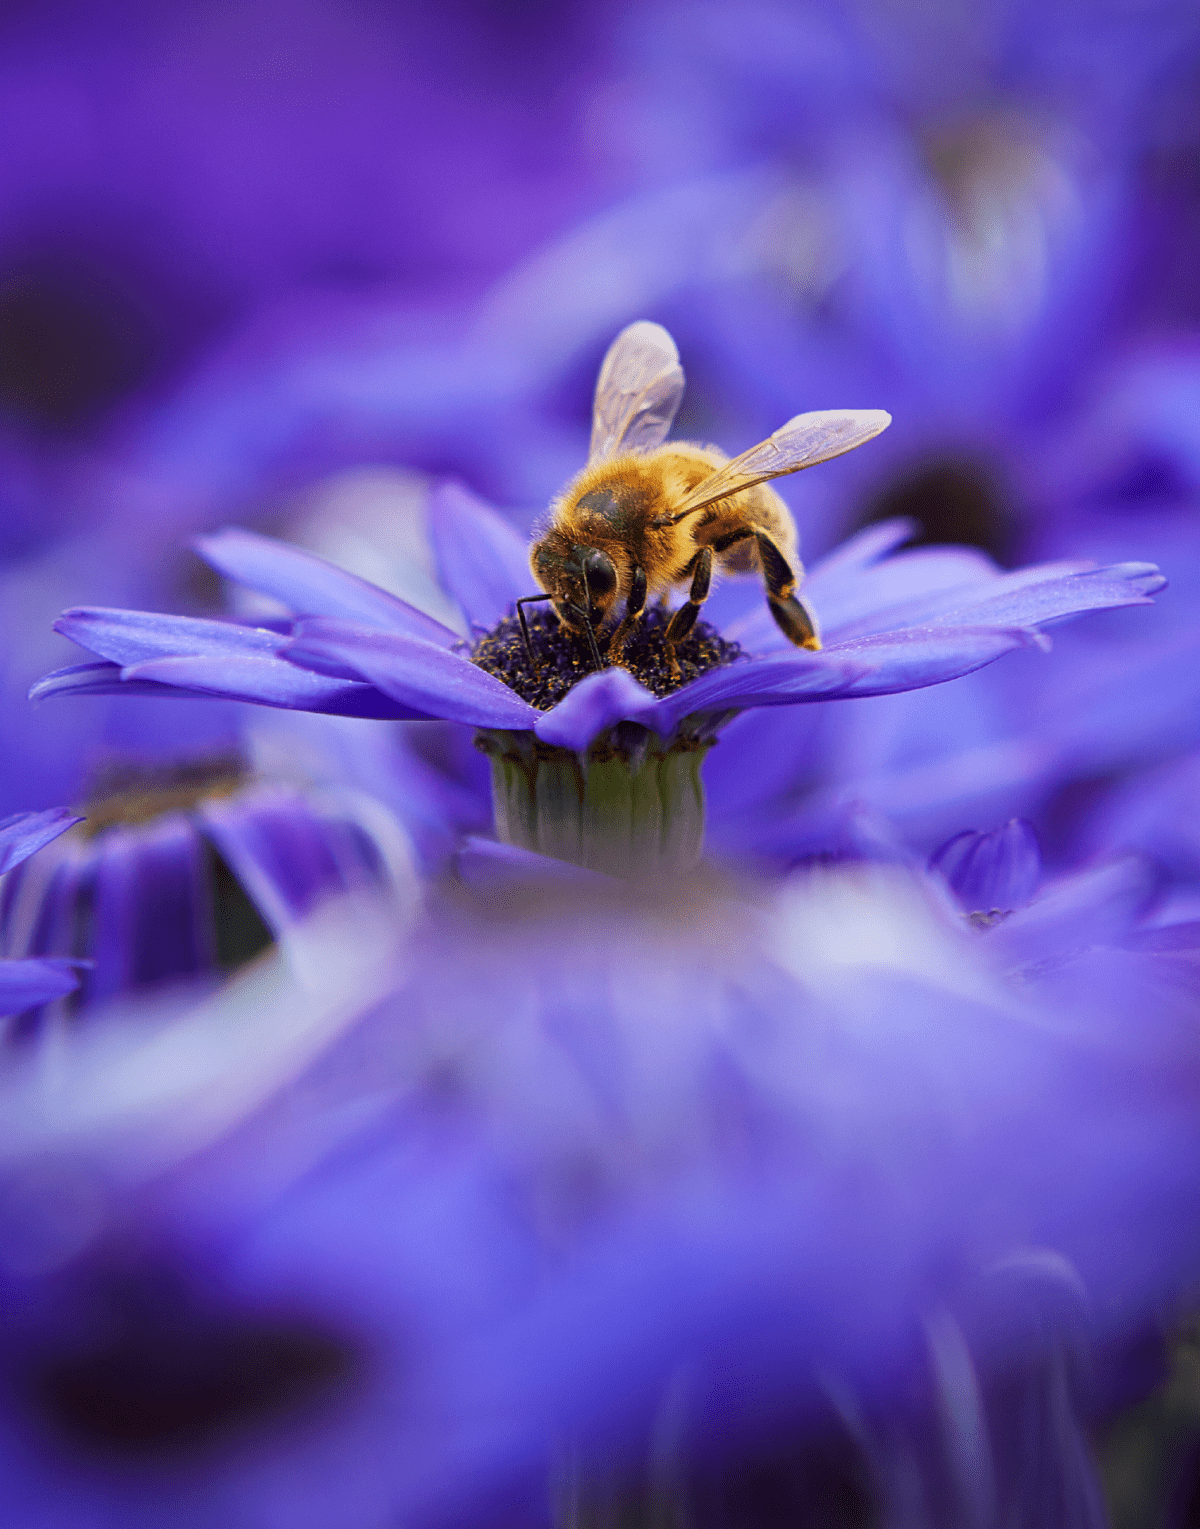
<point>564,658</point>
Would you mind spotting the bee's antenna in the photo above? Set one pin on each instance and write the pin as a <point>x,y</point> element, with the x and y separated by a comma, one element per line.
<point>579,612</point>
<point>591,637</point>
<point>529,600</point>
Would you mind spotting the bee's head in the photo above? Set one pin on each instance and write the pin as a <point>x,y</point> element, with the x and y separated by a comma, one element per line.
<point>583,580</point>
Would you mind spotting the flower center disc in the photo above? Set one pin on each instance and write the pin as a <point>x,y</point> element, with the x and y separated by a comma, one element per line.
<point>131,793</point>
<point>564,658</point>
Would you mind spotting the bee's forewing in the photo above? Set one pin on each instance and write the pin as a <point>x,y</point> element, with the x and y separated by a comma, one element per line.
<point>802,442</point>
<point>637,393</point>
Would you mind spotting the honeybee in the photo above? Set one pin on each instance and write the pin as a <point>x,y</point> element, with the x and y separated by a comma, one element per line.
<point>644,518</point>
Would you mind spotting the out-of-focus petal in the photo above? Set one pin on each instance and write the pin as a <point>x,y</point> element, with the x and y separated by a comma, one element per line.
<point>310,586</point>
<point>859,552</point>
<point>25,984</point>
<point>152,909</point>
<point>483,562</point>
<point>24,833</point>
<point>289,857</point>
<point>895,584</point>
<point>1096,907</point>
<point>999,869</point>
<point>486,863</point>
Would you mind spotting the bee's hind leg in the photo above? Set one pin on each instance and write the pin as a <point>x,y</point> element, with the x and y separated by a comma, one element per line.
<point>791,617</point>
<point>634,606</point>
<point>684,619</point>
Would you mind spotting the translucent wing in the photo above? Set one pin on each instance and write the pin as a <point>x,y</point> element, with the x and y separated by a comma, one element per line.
<point>802,442</point>
<point>637,392</point>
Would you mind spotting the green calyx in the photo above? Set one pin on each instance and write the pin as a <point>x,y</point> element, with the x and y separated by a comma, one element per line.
<point>629,811</point>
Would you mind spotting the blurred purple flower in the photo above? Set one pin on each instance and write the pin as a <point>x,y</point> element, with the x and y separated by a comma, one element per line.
<point>994,872</point>
<point>182,875</point>
<point>713,1202</point>
<point>1085,747</point>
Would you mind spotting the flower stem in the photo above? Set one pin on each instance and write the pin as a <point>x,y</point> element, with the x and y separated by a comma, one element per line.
<point>632,806</point>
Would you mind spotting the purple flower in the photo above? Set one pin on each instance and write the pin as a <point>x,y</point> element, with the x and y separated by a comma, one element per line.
<point>614,1196</point>
<point>181,875</point>
<point>891,623</point>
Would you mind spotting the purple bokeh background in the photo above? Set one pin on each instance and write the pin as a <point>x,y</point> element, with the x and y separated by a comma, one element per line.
<point>263,264</point>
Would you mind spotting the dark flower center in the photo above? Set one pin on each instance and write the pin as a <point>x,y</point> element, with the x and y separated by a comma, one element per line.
<point>563,658</point>
<point>165,938</point>
<point>955,502</point>
<point>74,339</point>
<point>130,793</point>
<point>154,1393</point>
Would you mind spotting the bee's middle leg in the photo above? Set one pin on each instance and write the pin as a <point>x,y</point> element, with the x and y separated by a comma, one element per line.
<point>634,606</point>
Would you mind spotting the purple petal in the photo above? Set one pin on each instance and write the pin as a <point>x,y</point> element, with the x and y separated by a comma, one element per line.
<point>954,640</point>
<point>775,681</point>
<point>594,704</point>
<point>287,857</point>
<point>861,550</point>
<point>100,679</point>
<point>26,984</point>
<point>269,681</point>
<point>943,587</point>
<point>899,661</point>
<point>152,908</point>
<point>56,930</point>
<point>25,833</point>
<point>310,586</point>
<point>129,637</point>
<point>855,599</point>
<point>1000,869</point>
<point>427,681</point>
<point>902,591</point>
<point>1042,594</point>
<point>1029,598</point>
<point>834,579</point>
<point>1094,907</point>
<point>482,560</point>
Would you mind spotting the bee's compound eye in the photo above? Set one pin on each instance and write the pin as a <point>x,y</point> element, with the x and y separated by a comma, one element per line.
<point>599,572</point>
